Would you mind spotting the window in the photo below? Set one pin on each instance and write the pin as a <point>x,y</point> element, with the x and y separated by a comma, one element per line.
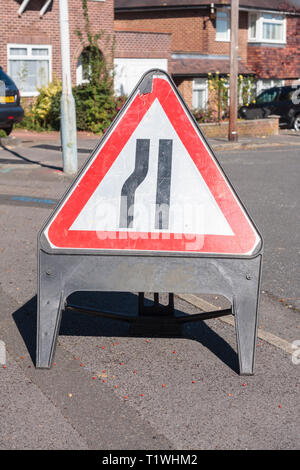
<point>267,27</point>
<point>268,96</point>
<point>272,27</point>
<point>262,85</point>
<point>199,100</point>
<point>83,69</point>
<point>252,25</point>
<point>29,66</point>
<point>222,25</point>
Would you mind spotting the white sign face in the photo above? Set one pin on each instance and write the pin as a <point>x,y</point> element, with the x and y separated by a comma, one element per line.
<point>192,208</point>
<point>153,185</point>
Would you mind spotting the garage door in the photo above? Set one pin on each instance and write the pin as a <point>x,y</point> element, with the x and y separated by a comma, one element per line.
<point>129,71</point>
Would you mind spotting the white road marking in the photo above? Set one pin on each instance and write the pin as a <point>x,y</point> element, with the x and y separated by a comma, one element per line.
<point>262,334</point>
<point>2,353</point>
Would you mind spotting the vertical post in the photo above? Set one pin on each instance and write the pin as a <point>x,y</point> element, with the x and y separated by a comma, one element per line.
<point>232,131</point>
<point>219,102</point>
<point>67,103</point>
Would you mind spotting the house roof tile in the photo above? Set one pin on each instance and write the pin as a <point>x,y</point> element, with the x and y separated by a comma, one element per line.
<point>203,66</point>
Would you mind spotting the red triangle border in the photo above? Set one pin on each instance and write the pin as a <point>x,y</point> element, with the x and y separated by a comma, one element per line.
<point>243,242</point>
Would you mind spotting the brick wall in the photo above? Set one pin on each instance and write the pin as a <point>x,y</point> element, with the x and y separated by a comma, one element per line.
<point>31,29</point>
<point>133,44</point>
<point>278,61</point>
<point>254,128</point>
<point>186,27</point>
<point>223,48</point>
<point>185,87</point>
<point>192,30</point>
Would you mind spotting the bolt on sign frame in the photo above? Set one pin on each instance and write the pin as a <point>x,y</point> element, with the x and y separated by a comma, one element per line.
<point>219,252</point>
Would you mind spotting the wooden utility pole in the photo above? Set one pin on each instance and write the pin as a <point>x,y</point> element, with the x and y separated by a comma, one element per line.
<point>233,106</point>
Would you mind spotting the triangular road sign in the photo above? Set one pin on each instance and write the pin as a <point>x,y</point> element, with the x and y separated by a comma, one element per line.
<point>153,184</point>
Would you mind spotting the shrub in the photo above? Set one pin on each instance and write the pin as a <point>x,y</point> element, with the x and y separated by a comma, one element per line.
<point>95,107</point>
<point>43,114</point>
<point>42,108</point>
<point>205,115</point>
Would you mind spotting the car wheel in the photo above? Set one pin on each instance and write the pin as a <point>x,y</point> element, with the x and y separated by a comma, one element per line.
<point>8,129</point>
<point>296,123</point>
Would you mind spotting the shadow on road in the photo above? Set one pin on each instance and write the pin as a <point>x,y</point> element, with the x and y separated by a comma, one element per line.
<point>58,148</point>
<point>79,324</point>
<point>28,160</point>
<point>25,319</point>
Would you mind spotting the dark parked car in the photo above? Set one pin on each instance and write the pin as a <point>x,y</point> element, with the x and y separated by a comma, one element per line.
<point>10,109</point>
<point>283,101</point>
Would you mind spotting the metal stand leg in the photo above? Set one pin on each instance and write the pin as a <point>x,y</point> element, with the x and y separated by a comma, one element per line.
<point>50,306</point>
<point>246,319</point>
<point>49,317</point>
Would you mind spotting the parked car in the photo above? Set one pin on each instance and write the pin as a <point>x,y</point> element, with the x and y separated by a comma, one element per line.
<point>10,109</point>
<point>283,101</point>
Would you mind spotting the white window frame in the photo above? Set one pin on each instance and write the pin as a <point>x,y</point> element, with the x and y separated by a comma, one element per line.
<point>260,20</point>
<point>252,14</point>
<point>219,36</point>
<point>79,72</point>
<point>30,56</point>
<point>200,86</point>
<point>273,82</point>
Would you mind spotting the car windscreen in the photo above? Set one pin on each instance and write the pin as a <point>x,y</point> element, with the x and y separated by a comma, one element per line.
<point>5,78</point>
<point>267,96</point>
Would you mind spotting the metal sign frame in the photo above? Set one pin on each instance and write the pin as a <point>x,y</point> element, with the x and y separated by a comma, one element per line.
<point>64,271</point>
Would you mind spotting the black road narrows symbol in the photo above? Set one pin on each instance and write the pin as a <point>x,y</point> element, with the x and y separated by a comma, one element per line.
<point>163,184</point>
<point>131,184</point>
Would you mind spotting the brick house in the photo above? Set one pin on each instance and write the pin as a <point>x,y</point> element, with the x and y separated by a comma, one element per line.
<point>30,39</point>
<point>269,39</point>
<point>189,38</point>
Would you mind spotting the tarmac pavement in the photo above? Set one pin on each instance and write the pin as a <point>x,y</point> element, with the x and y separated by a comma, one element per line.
<point>110,390</point>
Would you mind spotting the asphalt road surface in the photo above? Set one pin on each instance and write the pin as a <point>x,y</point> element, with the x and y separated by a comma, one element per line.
<point>111,390</point>
<point>268,181</point>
